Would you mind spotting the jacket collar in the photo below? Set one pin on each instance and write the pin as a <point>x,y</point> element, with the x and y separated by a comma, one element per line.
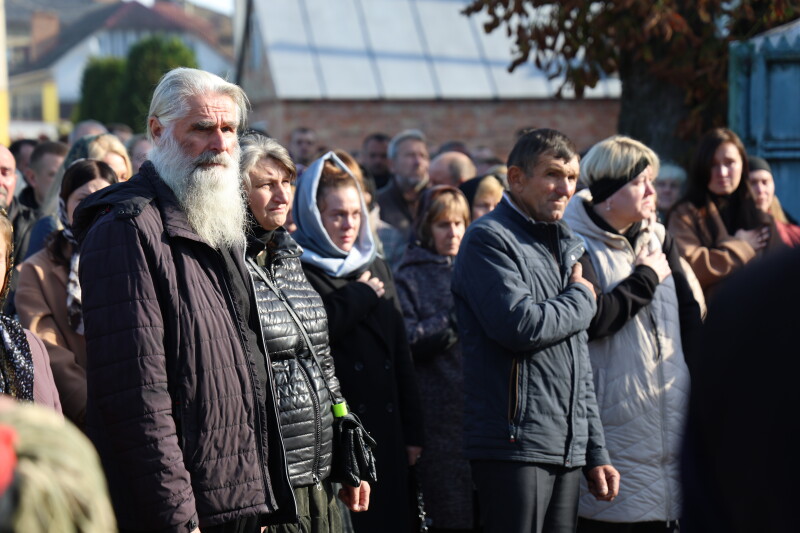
<point>570,246</point>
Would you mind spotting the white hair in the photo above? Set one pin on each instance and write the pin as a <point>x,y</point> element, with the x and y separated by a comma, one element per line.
<point>255,147</point>
<point>169,101</point>
<point>211,196</point>
<point>400,138</point>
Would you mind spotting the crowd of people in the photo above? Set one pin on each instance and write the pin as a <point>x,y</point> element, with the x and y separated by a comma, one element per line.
<point>303,340</point>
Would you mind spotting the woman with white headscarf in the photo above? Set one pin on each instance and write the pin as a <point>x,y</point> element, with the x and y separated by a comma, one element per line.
<point>367,332</point>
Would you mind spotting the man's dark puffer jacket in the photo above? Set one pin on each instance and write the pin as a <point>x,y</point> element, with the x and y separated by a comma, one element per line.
<point>187,432</point>
<point>304,402</point>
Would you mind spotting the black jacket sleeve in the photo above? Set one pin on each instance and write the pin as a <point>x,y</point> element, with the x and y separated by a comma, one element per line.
<point>689,312</point>
<point>616,307</point>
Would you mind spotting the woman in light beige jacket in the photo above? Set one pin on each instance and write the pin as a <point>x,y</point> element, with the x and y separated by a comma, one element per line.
<point>48,295</point>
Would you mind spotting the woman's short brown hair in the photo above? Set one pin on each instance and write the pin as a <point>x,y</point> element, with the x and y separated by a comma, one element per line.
<point>436,203</point>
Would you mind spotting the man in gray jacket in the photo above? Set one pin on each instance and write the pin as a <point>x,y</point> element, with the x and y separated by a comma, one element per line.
<point>523,307</point>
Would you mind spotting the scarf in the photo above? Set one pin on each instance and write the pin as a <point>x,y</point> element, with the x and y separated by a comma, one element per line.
<point>74,306</point>
<point>318,248</point>
<point>16,363</point>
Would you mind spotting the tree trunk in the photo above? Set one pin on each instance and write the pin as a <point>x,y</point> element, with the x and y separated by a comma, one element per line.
<point>651,111</point>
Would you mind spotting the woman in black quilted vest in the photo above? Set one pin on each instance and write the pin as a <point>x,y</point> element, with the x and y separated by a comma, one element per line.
<point>292,316</point>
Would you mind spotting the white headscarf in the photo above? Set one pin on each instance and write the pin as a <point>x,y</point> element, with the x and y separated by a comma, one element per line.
<point>318,248</point>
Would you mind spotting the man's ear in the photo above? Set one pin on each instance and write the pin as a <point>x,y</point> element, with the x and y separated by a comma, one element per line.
<point>515,178</point>
<point>30,176</point>
<point>156,128</point>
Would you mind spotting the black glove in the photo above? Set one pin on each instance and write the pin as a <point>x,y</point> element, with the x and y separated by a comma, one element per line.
<point>427,348</point>
<point>353,460</point>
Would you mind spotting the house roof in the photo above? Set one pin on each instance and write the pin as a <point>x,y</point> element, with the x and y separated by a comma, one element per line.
<point>393,49</point>
<point>789,31</point>
<point>20,11</point>
<point>120,16</point>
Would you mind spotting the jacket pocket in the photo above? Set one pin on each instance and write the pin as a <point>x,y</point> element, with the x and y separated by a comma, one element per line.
<point>514,400</point>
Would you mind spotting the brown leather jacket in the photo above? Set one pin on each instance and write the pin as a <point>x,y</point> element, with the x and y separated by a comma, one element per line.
<point>712,259</point>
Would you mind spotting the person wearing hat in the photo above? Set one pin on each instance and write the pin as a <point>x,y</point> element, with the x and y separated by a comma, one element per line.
<point>762,186</point>
<point>639,338</point>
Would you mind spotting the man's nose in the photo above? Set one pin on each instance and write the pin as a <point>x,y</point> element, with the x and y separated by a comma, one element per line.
<point>564,187</point>
<point>218,141</point>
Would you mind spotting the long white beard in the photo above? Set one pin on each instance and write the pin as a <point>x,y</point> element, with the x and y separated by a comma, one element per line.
<point>211,196</point>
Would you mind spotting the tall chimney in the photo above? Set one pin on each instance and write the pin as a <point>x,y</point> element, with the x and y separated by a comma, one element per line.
<point>44,31</point>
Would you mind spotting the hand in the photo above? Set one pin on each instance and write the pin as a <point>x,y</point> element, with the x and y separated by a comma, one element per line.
<point>655,260</point>
<point>757,238</point>
<point>577,277</point>
<point>374,283</point>
<point>355,498</point>
<point>603,482</point>
<point>414,453</point>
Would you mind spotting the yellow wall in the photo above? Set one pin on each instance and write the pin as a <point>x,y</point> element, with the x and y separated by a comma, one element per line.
<point>5,116</point>
<point>50,102</point>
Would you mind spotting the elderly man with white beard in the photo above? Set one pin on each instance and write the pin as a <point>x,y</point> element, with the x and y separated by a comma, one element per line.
<point>180,400</point>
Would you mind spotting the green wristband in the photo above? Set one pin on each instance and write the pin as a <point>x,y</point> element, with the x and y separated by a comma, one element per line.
<point>340,410</point>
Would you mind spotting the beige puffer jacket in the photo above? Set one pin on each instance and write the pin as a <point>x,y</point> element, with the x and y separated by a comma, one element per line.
<point>641,381</point>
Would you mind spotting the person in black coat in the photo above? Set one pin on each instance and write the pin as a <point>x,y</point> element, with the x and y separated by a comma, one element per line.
<point>423,284</point>
<point>367,333</point>
<point>305,382</point>
<point>742,425</point>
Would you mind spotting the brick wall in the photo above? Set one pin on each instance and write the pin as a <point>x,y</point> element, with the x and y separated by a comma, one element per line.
<point>343,124</point>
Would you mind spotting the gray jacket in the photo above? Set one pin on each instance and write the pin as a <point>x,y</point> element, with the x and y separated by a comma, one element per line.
<point>527,376</point>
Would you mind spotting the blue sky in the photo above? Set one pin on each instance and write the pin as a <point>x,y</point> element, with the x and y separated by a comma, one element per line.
<point>223,6</point>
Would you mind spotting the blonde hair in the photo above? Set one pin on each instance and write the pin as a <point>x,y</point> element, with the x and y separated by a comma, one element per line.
<point>58,478</point>
<point>489,186</point>
<point>614,157</point>
<point>106,143</point>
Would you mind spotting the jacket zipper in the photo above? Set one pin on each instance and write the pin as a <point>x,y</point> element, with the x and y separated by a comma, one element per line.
<point>268,364</point>
<point>558,257</point>
<point>513,401</point>
<point>316,475</point>
<point>312,392</point>
<point>259,422</point>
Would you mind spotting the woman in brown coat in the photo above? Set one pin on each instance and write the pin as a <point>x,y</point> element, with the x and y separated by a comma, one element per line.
<point>717,225</point>
<point>48,294</point>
